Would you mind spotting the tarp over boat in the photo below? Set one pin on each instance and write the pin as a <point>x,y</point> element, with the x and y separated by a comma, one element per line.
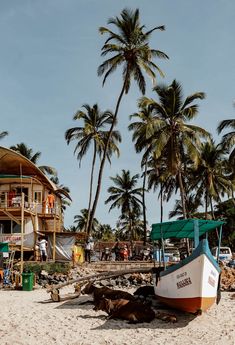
<point>183,228</point>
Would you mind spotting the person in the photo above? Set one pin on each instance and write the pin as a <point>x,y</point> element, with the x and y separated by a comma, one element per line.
<point>50,202</point>
<point>106,254</point>
<point>88,251</point>
<point>11,195</point>
<point>117,249</point>
<point>42,244</point>
<point>77,254</point>
<point>125,253</point>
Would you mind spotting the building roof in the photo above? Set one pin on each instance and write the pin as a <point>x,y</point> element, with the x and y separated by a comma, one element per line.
<point>13,163</point>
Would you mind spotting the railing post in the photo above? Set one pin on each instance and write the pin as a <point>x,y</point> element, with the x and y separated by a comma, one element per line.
<point>22,235</point>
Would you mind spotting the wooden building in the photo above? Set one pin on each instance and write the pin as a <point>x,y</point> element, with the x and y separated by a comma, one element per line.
<point>30,203</point>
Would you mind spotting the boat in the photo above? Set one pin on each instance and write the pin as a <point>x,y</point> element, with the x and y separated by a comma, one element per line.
<point>192,284</point>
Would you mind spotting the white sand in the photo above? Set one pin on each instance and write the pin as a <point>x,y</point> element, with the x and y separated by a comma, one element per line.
<point>26,320</point>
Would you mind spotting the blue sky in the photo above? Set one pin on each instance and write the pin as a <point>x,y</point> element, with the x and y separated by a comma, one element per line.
<point>50,51</point>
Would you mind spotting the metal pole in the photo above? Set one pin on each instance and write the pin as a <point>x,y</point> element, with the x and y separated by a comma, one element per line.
<point>196,233</point>
<point>22,235</point>
<point>163,248</point>
<point>220,236</point>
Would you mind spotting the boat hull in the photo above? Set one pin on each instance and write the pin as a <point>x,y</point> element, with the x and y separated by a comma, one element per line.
<point>192,284</point>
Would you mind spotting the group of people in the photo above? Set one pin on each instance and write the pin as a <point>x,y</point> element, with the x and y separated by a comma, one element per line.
<point>121,251</point>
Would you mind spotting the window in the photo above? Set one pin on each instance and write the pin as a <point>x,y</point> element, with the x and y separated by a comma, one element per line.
<point>9,227</point>
<point>16,228</point>
<point>37,197</point>
<point>5,226</point>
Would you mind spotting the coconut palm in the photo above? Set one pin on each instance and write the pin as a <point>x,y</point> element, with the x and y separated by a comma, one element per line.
<point>27,152</point>
<point>192,205</point>
<point>104,232</point>
<point>143,130</point>
<point>3,134</point>
<point>174,137</point>
<point>160,178</point>
<point>129,47</point>
<point>124,195</point>
<point>92,132</point>
<point>210,179</point>
<point>64,191</point>
<point>228,140</point>
<point>81,221</point>
<point>137,226</point>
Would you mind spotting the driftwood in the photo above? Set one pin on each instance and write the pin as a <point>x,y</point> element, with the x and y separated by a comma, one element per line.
<point>55,293</point>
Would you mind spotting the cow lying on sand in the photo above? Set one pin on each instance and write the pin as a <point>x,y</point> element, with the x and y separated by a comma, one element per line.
<point>144,291</point>
<point>98,293</point>
<point>134,312</point>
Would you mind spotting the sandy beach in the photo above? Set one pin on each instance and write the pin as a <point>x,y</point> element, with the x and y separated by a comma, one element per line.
<point>27,319</point>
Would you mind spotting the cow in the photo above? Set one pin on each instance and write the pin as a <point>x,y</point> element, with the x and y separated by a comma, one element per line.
<point>144,291</point>
<point>134,312</point>
<point>105,292</point>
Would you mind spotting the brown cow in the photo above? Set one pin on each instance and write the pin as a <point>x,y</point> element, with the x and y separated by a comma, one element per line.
<point>134,312</point>
<point>144,291</point>
<point>105,292</point>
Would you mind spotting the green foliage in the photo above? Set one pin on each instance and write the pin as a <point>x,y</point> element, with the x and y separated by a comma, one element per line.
<point>50,267</point>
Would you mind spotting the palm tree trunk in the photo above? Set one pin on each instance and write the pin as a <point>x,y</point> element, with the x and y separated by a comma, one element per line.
<point>182,195</point>
<point>91,186</point>
<point>143,200</point>
<point>212,211</point>
<point>161,201</point>
<point>206,201</point>
<point>97,194</point>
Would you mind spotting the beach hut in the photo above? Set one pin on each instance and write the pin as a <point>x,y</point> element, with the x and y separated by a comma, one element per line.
<point>30,205</point>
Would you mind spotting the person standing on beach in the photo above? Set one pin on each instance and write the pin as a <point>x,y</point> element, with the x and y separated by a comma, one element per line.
<point>88,248</point>
<point>42,244</point>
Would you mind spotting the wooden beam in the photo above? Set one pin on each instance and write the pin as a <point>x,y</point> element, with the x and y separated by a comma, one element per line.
<point>11,216</point>
<point>22,235</point>
<point>54,239</point>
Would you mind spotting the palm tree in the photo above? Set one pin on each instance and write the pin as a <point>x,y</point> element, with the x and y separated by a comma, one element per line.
<point>104,232</point>
<point>27,152</point>
<point>137,226</point>
<point>143,130</point>
<point>228,140</point>
<point>63,191</point>
<point>124,195</point>
<point>81,221</point>
<point>192,203</point>
<point>92,132</point>
<point>174,137</point>
<point>159,177</point>
<point>3,134</point>
<point>129,48</point>
<point>211,179</point>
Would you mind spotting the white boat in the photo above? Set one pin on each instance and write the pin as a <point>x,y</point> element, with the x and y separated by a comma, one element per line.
<point>192,284</point>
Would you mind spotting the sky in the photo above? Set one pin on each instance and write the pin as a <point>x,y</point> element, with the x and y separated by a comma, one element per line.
<point>50,52</point>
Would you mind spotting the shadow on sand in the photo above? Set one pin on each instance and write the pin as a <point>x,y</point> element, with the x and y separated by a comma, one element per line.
<point>86,304</point>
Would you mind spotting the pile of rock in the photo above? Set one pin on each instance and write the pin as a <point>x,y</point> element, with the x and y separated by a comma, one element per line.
<point>44,278</point>
<point>227,279</point>
<point>129,280</point>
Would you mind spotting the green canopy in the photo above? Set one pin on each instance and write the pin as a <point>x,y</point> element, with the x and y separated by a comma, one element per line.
<point>183,228</point>
<point>4,247</point>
